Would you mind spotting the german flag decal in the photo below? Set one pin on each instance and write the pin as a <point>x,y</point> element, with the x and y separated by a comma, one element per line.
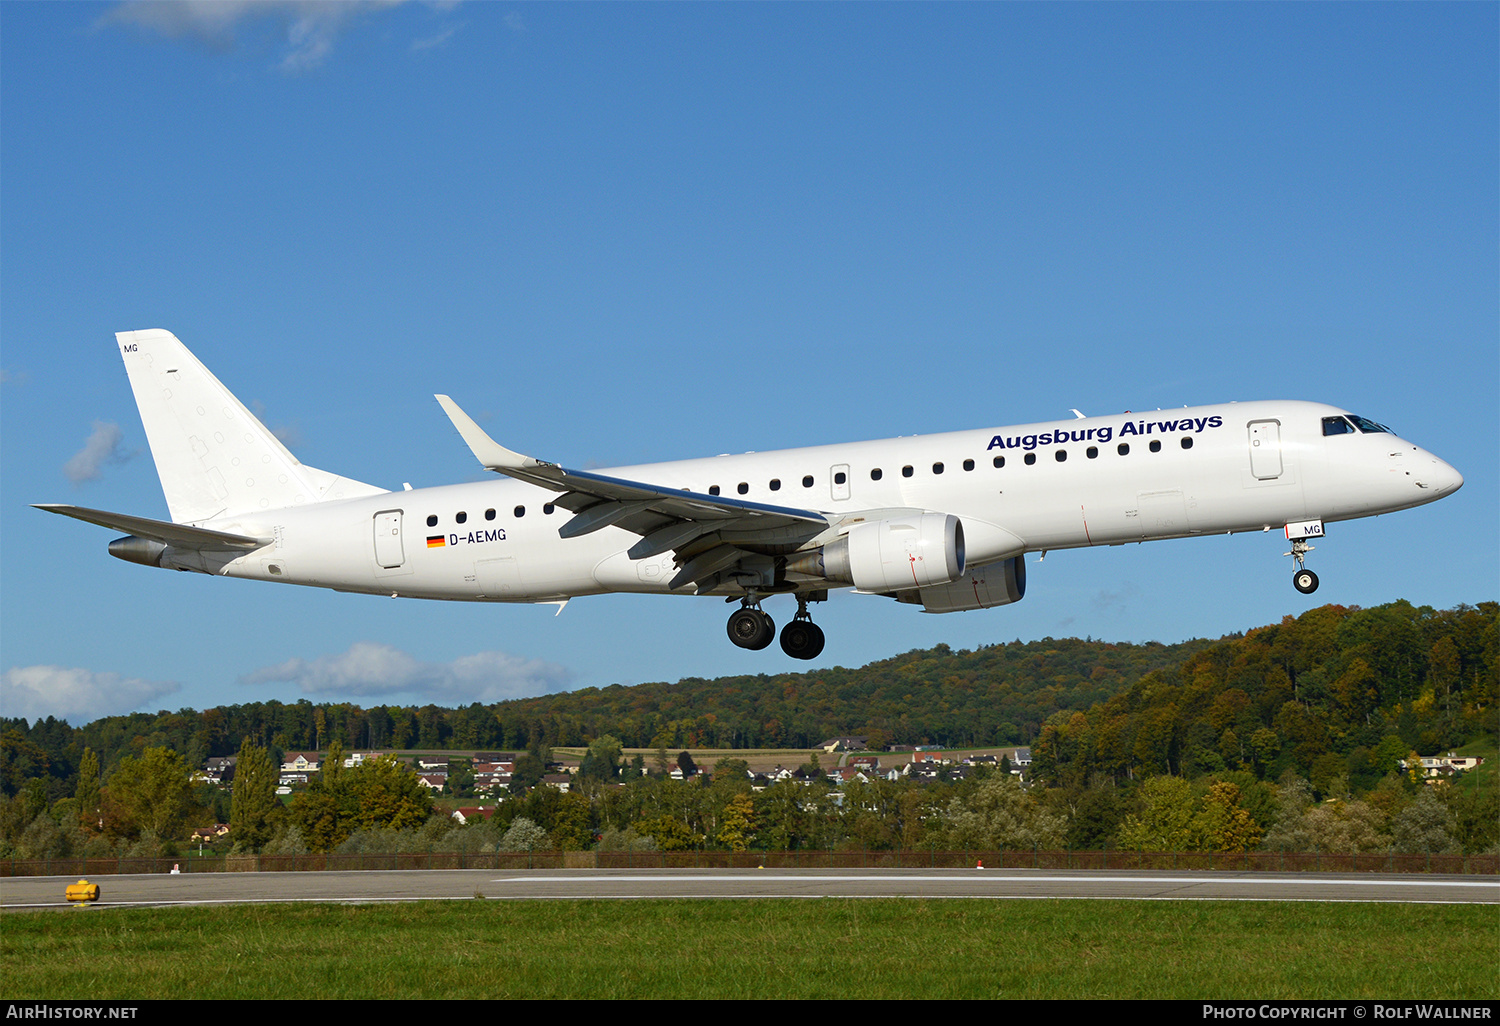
<point>436,541</point>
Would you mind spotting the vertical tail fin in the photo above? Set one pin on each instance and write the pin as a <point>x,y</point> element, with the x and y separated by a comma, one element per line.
<point>213,456</point>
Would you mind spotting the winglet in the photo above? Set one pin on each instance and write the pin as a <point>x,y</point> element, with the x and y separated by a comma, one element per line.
<point>490,453</point>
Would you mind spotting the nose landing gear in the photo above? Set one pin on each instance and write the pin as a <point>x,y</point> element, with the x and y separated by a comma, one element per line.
<point>1304,580</point>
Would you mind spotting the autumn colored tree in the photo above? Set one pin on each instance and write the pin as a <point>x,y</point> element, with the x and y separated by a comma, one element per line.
<point>1223,825</point>
<point>737,823</point>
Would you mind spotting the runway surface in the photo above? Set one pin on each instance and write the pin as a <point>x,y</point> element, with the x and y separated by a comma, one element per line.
<point>18,893</point>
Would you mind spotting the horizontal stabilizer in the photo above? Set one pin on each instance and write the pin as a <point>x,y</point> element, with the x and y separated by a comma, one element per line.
<point>180,536</point>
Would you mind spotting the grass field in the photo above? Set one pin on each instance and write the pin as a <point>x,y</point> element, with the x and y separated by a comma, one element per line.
<point>826,948</point>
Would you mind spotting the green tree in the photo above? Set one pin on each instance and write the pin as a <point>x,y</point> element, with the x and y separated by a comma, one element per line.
<point>1424,827</point>
<point>1166,819</point>
<point>670,834</point>
<point>380,792</point>
<point>254,797</point>
<point>89,791</point>
<point>602,761</point>
<point>524,835</point>
<point>154,793</point>
<point>1346,826</point>
<point>1000,813</point>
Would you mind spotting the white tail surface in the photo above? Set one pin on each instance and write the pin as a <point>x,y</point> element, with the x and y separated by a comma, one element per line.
<point>213,456</point>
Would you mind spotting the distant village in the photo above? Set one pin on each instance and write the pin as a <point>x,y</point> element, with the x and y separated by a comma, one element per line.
<point>493,772</point>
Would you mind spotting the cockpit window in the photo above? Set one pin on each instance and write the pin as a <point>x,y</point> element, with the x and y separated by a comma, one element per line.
<point>1369,427</point>
<point>1337,426</point>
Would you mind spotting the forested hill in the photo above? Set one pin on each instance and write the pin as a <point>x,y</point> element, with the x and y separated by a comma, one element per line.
<point>999,694</point>
<point>1356,675</point>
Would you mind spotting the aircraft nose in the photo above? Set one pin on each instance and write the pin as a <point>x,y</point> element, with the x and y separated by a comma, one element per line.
<point>1441,477</point>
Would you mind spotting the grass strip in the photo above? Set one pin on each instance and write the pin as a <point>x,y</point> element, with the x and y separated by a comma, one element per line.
<point>823,948</point>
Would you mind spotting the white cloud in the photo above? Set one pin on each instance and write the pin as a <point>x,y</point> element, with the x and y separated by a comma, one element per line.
<point>101,449</point>
<point>308,27</point>
<point>371,669</point>
<point>289,435</point>
<point>78,696</point>
<point>436,41</point>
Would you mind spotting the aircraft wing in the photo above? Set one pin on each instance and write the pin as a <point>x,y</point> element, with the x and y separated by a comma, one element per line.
<point>182,536</point>
<point>711,535</point>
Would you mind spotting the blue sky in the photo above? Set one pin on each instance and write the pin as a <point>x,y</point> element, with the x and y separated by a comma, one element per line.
<point>631,232</point>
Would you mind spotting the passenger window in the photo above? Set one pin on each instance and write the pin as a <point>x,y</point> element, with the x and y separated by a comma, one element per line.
<point>968,464</point>
<point>1156,445</point>
<point>489,514</point>
<point>1123,448</point>
<point>742,488</point>
<point>1030,459</point>
<point>1093,452</point>
<point>548,508</point>
<point>713,489</point>
<point>520,511</point>
<point>432,521</point>
<point>999,462</point>
<point>1187,441</point>
<point>775,484</point>
<point>1061,456</point>
<point>876,474</point>
<point>937,468</point>
<point>460,517</point>
<point>807,481</point>
<point>906,470</point>
<point>840,478</point>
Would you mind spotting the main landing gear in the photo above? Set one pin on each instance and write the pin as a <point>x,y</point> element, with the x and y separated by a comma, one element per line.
<point>750,628</point>
<point>1304,580</point>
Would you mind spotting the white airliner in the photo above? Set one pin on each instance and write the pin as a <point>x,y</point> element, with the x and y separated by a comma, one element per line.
<point>942,521</point>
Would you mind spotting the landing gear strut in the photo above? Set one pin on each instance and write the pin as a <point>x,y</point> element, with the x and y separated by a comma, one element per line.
<point>1304,580</point>
<point>802,639</point>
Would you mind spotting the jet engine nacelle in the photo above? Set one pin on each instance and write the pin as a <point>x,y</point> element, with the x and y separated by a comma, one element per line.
<point>994,584</point>
<point>892,555</point>
<point>137,550</point>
